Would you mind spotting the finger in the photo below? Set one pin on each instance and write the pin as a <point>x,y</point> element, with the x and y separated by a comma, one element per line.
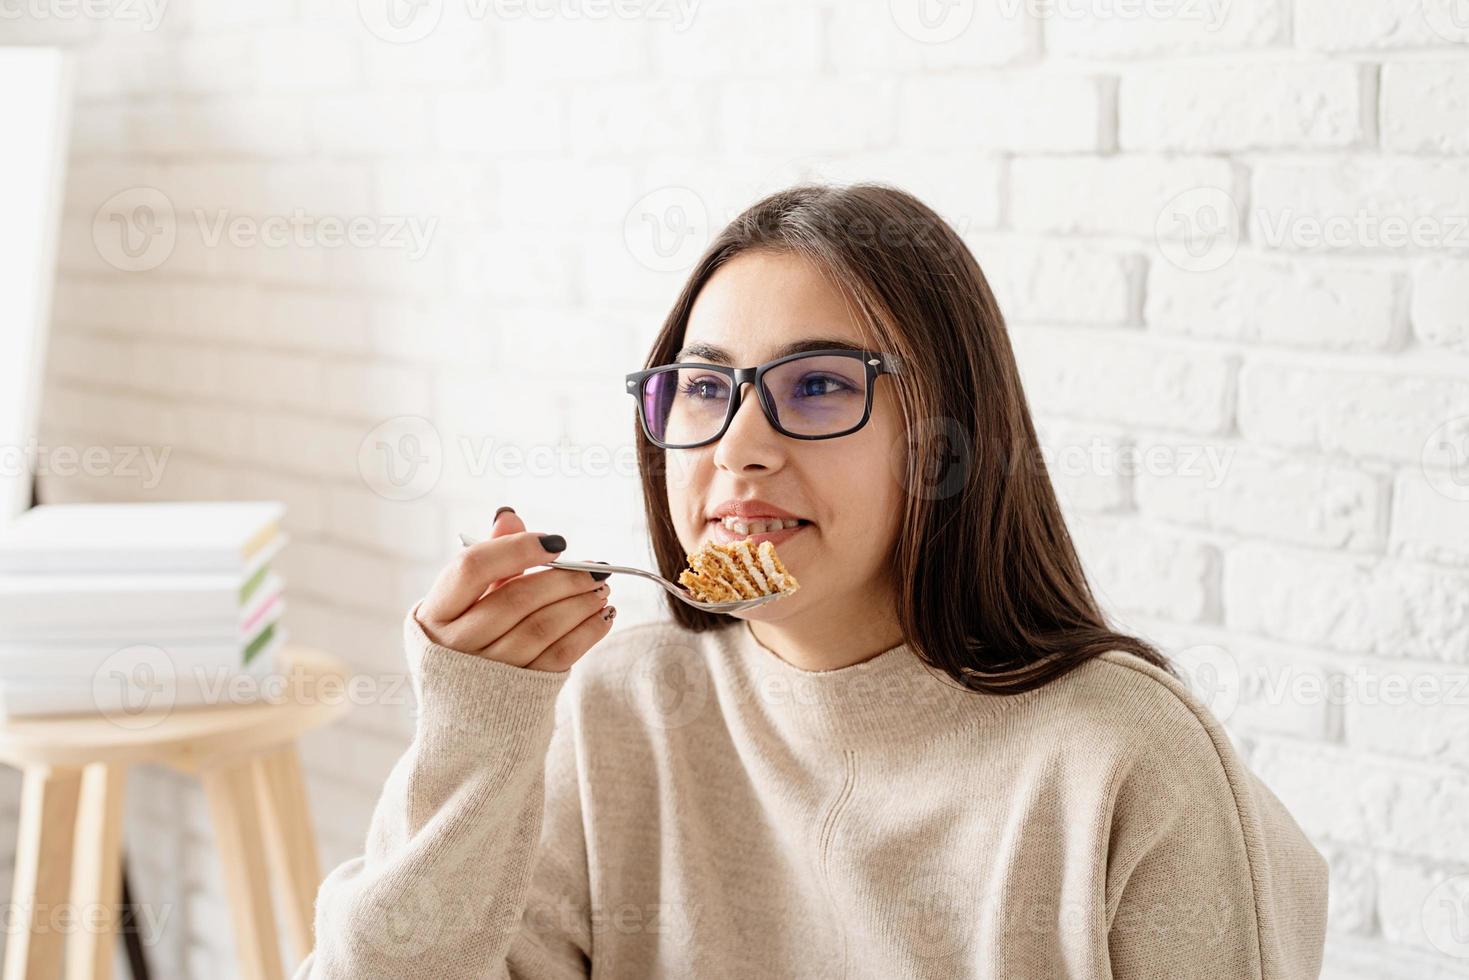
<point>523,596</point>
<point>571,647</point>
<point>505,522</point>
<point>536,633</point>
<point>469,575</point>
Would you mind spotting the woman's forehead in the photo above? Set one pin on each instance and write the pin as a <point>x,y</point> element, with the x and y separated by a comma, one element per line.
<point>760,302</point>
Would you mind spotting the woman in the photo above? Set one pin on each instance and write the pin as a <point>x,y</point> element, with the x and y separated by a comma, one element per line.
<point>934,759</point>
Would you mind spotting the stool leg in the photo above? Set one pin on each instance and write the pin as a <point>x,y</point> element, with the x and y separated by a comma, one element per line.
<point>48,809</point>
<point>96,882</point>
<point>286,813</point>
<point>234,808</point>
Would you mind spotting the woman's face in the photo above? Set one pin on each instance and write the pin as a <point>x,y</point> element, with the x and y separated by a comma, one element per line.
<point>846,488</point>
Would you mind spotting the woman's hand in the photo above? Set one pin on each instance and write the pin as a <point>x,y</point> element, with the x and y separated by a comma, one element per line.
<point>482,604</point>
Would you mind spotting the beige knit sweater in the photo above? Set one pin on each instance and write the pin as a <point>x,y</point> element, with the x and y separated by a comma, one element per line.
<point>692,806</point>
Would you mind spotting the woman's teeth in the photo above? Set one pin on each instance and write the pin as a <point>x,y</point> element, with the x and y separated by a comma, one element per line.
<point>758,525</point>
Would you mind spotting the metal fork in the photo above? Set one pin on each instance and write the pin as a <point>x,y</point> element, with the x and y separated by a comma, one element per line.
<point>673,588</point>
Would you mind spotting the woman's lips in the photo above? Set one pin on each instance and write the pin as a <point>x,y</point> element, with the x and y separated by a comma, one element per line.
<point>723,535</point>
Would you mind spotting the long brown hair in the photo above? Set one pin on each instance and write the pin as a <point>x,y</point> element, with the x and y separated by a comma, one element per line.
<point>989,587</point>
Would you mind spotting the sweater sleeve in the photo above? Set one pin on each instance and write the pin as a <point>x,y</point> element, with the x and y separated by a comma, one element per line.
<point>474,864</point>
<point>1212,877</point>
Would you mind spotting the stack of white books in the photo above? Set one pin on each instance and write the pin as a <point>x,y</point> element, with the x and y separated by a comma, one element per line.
<point>130,609</point>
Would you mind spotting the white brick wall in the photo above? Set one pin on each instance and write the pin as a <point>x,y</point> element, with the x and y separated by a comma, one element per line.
<point>1231,238</point>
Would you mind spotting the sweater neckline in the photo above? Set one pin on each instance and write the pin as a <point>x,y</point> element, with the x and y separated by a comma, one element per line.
<point>888,698</point>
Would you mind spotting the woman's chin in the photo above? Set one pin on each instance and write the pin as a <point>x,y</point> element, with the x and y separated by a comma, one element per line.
<point>773,611</point>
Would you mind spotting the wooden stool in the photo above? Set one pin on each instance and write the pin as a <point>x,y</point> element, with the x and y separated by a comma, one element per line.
<point>69,849</point>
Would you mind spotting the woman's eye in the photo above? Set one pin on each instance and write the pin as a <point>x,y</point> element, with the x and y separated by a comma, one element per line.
<point>816,385</point>
<point>702,388</point>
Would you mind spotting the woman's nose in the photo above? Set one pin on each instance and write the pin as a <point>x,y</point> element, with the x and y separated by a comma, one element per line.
<point>750,441</point>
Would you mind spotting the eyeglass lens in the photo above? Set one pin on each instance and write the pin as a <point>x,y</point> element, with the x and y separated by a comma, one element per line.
<point>812,396</point>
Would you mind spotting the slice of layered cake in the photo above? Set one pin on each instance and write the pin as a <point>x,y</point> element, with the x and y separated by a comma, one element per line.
<point>742,570</point>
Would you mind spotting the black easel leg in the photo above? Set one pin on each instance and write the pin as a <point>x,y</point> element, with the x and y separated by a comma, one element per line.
<point>131,929</point>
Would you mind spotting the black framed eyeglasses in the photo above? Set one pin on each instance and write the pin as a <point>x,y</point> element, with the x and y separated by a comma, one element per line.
<point>819,394</point>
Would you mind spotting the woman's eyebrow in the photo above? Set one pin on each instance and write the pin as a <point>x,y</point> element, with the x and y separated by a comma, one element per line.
<point>718,355</point>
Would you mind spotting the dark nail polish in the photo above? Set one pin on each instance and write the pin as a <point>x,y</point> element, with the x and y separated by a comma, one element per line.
<point>600,576</point>
<point>501,511</point>
<point>553,542</point>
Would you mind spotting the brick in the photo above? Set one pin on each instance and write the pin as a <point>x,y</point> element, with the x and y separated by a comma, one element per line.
<point>642,116</point>
<point>230,17</point>
<point>499,120</point>
<point>1264,299</point>
<point>457,190</point>
<point>213,63</point>
<point>460,57</point>
<point>372,391</point>
<point>119,70</point>
<point>1384,204</point>
<point>1355,605</point>
<point>370,124</point>
<point>1158,27</point>
<point>866,35</point>
<point>1074,373</point>
<point>113,415</point>
<point>1143,569</point>
<point>307,320</point>
<point>304,446</point>
<point>1427,523</point>
<point>1421,907</point>
<point>1374,25</point>
<point>1381,416</point>
<point>226,432</point>
<point>1060,195</point>
<point>1344,797</point>
<point>120,304</point>
<point>183,370</point>
<point>1026,275</point>
<point>564,193</point>
<point>1440,307</point>
<point>433,333</point>
<point>1351,899</point>
<point>402,255</point>
<point>822,116</point>
<point>274,380</point>
<point>1025,112</point>
<point>412,529</point>
<point>778,40</point>
<point>1244,106</point>
<point>200,190</point>
<point>1425,106</point>
<point>97,132</point>
<point>540,335</point>
<point>253,125</point>
<point>337,190</point>
<point>514,267</point>
<point>579,48</point>
<point>1222,486</point>
<point>1071,452</point>
<point>1409,710</point>
<point>304,60</point>
<point>358,578</point>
